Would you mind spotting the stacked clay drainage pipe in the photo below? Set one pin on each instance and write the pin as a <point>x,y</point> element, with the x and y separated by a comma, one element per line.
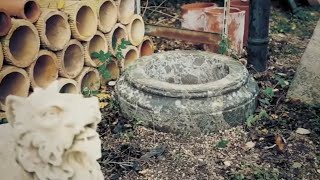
<point>47,40</point>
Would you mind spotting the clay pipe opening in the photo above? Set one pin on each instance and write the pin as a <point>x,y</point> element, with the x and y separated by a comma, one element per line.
<point>13,81</point>
<point>107,15</point>
<point>5,23</point>
<point>146,48</point>
<point>114,70</point>
<point>54,29</point>
<point>136,30</point>
<point>82,19</point>
<point>88,78</point>
<point>21,44</point>
<point>130,54</point>
<point>31,11</point>
<point>68,86</point>
<point>44,70</point>
<point>22,9</point>
<point>125,10</point>
<point>96,44</point>
<point>71,59</point>
<point>115,36</point>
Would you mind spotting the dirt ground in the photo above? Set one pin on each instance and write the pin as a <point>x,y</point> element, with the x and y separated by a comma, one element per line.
<point>267,147</point>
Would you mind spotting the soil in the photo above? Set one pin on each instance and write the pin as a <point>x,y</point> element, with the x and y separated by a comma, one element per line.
<point>267,147</point>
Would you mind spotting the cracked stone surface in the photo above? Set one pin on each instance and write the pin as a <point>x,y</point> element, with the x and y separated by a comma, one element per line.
<point>187,91</point>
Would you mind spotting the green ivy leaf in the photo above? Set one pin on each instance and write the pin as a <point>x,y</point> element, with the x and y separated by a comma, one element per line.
<point>108,55</point>
<point>104,72</point>
<point>124,44</point>
<point>222,144</point>
<point>265,101</point>
<point>283,83</point>
<point>119,55</point>
<point>95,55</point>
<point>268,92</point>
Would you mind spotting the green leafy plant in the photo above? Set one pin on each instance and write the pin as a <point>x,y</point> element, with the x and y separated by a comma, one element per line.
<point>251,120</point>
<point>236,177</point>
<point>222,143</point>
<point>268,96</point>
<point>106,58</point>
<point>265,174</point>
<point>87,92</point>
<point>224,45</point>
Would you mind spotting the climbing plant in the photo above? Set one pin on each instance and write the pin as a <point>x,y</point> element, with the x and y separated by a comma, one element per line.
<point>106,58</point>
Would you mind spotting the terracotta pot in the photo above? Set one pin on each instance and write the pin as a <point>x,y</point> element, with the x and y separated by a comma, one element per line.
<point>68,86</point>
<point>21,44</point>
<point>125,10</point>
<point>146,48</point>
<point>5,23</point>
<point>107,15</point>
<point>131,54</point>
<point>244,6</point>
<point>193,15</point>
<point>13,81</point>
<point>88,78</point>
<point>214,23</point>
<point>24,9</point>
<point>44,70</point>
<point>50,23</point>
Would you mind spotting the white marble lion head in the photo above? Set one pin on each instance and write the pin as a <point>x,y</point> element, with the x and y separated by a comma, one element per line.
<point>55,134</point>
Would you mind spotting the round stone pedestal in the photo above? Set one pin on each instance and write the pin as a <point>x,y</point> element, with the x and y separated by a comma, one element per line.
<point>187,92</point>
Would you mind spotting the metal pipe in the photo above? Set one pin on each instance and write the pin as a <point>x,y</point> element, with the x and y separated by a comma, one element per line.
<point>259,34</point>
<point>293,6</point>
<point>183,34</point>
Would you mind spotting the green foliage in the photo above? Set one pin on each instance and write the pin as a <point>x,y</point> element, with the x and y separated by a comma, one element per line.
<point>262,174</point>
<point>224,45</point>
<point>284,26</point>
<point>282,82</point>
<point>268,92</point>
<point>268,96</point>
<point>236,177</point>
<point>87,92</point>
<point>304,15</point>
<point>106,58</point>
<point>251,120</point>
<point>222,144</point>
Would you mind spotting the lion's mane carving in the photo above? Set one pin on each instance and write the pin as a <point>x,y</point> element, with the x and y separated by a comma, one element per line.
<point>55,134</point>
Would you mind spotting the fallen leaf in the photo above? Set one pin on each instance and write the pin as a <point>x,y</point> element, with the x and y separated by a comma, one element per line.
<point>103,104</point>
<point>227,163</point>
<point>279,141</point>
<point>145,171</point>
<point>302,131</point>
<point>296,165</point>
<point>60,4</point>
<point>112,83</point>
<point>250,145</point>
<point>103,96</point>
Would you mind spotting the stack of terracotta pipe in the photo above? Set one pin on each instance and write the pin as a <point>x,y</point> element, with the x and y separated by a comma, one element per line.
<point>46,40</point>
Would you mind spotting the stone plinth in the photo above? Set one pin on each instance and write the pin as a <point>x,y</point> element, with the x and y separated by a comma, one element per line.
<point>306,83</point>
<point>187,91</point>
